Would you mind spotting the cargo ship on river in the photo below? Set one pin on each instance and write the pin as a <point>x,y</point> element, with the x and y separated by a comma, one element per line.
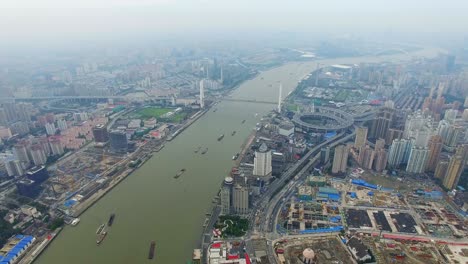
<point>111,220</point>
<point>151,250</point>
<point>179,173</point>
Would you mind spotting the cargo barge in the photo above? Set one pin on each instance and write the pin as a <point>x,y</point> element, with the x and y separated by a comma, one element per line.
<point>151,250</point>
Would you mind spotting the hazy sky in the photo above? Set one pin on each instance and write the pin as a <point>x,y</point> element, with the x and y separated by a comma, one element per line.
<point>54,20</point>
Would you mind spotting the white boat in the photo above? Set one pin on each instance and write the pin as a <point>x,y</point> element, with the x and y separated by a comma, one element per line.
<point>75,221</point>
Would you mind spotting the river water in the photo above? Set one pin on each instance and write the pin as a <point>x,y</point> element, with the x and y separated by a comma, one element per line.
<point>151,205</point>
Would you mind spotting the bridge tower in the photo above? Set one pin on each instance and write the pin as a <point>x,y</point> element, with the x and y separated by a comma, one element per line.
<point>202,94</point>
<point>279,97</point>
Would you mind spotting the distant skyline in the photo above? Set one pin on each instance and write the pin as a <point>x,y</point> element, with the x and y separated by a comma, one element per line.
<point>52,21</point>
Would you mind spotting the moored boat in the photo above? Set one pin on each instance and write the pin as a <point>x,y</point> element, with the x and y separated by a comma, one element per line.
<point>101,237</point>
<point>100,228</point>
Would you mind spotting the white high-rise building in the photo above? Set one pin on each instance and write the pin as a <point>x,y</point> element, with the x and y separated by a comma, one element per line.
<point>21,153</point>
<point>421,137</point>
<point>415,122</point>
<point>38,155</point>
<point>262,161</point>
<point>240,200</point>
<point>202,94</point>
<point>450,115</point>
<point>399,152</point>
<point>13,166</point>
<point>417,159</point>
<point>62,124</point>
<point>56,146</point>
<point>50,129</point>
<point>443,129</point>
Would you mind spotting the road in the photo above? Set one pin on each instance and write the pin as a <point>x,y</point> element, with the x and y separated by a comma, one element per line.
<point>269,204</point>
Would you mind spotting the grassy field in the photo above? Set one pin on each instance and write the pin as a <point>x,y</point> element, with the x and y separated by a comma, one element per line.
<point>342,95</point>
<point>150,112</point>
<point>177,118</point>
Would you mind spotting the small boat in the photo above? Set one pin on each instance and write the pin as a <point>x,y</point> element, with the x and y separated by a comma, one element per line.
<point>151,250</point>
<point>204,151</point>
<point>198,149</point>
<point>221,137</point>
<point>111,220</point>
<point>101,237</point>
<point>100,228</point>
<point>75,221</point>
<point>233,133</point>
<point>243,121</point>
<point>235,156</point>
<point>179,173</point>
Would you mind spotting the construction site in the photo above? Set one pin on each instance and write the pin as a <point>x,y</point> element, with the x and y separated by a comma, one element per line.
<point>417,252</point>
<point>320,249</point>
<point>438,219</point>
<point>300,217</point>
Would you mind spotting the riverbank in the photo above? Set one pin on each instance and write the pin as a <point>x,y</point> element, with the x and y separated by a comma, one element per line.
<point>37,249</point>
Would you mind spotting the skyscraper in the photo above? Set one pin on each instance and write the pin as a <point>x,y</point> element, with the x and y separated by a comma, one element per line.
<point>450,115</point>
<point>455,168</point>
<point>379,144</point>
<point>399,152</point>
<point>62,124</point>
<point>226,191</point>
<point>118,141</point>
<point>325,154</point>
<point>100,133</point>
<point>441,169</point>
<point>262,161</point>
<point>240,198</point>
<point>21,153</point>
<point>38,155</point>
<point>366,157</point>
<point>382,122</point>
<point>50,129</point>
<point>417,159</point>
<point>393,134</point>
<point>380,160</point>
<point>56,146</point>
<point>435,147</point>
<point>361,137</point>
<point>453,136</point>
<point>340,160</point>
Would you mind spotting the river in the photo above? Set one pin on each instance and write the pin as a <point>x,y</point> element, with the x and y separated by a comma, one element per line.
<point>151,205</point>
